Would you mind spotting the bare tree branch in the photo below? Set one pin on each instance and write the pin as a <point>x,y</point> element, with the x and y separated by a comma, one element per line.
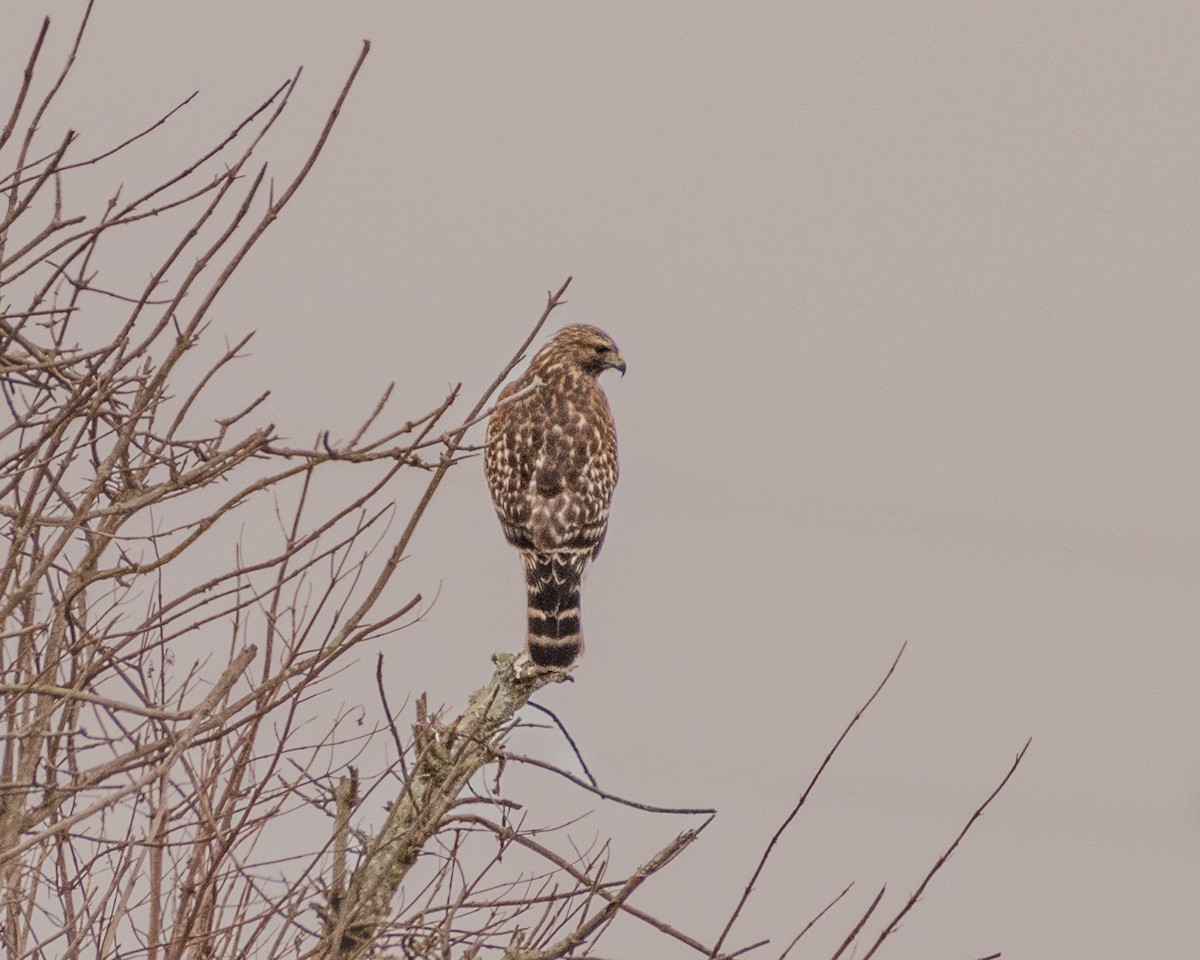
<point>941,861</point>
<point>800,803</point>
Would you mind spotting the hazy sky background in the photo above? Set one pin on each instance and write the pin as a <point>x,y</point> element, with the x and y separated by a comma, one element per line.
<point>908,294</point>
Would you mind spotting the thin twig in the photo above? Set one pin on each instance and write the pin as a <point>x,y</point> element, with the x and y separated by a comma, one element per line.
<point>592,788</point>
<point>813,922</point>
<point>941,861</point>
<point>800,803</point>
<point>571,740</point>
<point>862,922</point>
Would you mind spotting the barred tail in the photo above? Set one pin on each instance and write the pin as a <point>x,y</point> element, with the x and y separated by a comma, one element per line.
<point>553,581</point>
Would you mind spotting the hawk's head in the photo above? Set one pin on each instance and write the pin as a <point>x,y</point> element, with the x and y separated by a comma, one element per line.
<point>580,345</point>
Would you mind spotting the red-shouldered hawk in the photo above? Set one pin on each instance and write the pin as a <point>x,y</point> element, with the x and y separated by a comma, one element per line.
<point>551,464</point>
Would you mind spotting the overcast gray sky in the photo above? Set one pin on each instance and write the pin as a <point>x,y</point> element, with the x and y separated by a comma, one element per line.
<point>908,294</point>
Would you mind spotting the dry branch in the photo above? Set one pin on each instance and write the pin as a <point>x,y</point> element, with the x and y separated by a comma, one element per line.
<point>449,756</point>
<point>941,861</point>
<point>762,862</point>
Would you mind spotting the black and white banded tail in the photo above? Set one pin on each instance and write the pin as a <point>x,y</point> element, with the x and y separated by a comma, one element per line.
<point>553,581</point>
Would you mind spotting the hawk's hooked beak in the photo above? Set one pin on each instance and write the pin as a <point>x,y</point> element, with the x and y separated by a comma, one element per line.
<point>619,363</point>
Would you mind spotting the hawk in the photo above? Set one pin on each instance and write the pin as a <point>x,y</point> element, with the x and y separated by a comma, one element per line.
<point>551,464</point>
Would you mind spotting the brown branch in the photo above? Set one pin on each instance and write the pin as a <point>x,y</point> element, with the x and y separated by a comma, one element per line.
<point>941,861</point>
<point>613,903</point>
<point>593,788</point>
<point>813,922</point>
<point>800,803</point>
<point>447,460</point>
<point>26,80</point>
<point>584,882</point>
<point>207,717</point>
<point>133,139</point>
<point>862,922</point>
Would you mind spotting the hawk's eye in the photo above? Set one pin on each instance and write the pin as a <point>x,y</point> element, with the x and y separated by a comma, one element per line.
<point>601,348</point>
